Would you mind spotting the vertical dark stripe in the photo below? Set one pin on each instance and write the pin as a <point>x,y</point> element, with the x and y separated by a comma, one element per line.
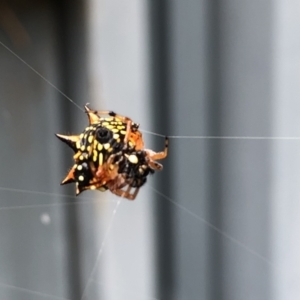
<point>160,80</point>
<point>64,17</point>
<point>214,100</point>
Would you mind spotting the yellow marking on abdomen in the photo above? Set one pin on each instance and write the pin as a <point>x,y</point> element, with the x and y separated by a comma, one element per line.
<point>100,159</point>
<point>90,139</point>
<point>95,155</point>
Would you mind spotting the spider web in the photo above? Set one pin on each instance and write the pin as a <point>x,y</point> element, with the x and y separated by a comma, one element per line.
<point>22,204</point>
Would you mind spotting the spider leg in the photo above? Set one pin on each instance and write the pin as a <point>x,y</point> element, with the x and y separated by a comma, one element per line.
<point>153,156</point>
<point>159,155</point>
<point>110,166</point>
<point>133,196</point>
<point>126,194</point>
<point>117,190</point>
<point>118,184</point>
<point>112,157</point>
<point>138,140</point>
<point>155,165</point>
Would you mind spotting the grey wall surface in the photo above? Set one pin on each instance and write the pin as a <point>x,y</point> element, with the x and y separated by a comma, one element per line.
<point>39,222</point>
<point>33,254</point>
<point>218,62</point>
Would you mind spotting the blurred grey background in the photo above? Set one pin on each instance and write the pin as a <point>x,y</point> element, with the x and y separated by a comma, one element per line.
<point>221,221</point>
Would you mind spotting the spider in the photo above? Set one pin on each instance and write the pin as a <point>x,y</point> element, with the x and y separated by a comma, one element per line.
<point>110,154</point>
<point>103,137</point>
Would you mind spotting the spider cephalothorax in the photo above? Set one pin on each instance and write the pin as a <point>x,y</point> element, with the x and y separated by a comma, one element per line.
<point>110,154</point>
<point>129,169</point>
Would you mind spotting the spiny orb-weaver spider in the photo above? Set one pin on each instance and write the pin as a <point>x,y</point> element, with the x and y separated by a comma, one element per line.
<point>110,154</point>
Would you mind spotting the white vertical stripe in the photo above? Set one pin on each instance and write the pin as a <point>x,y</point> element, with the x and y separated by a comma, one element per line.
<point>286,158</point>
<point>118,65</point>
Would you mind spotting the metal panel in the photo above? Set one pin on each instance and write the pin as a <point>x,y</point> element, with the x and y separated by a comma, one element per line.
<point>33,254</point>
<point>218,78</point>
